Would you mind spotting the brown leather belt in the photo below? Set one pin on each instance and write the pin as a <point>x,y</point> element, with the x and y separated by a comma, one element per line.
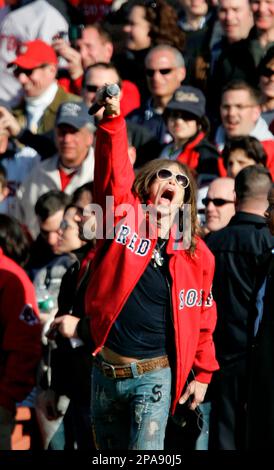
<point>127,371</point>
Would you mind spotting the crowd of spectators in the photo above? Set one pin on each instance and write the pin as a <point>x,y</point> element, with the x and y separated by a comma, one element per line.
<point>197,87</point>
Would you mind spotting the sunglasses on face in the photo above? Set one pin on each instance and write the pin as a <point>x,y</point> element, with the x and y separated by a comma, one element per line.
<point>267,72</point>
<point>217,201</point>
<point>91,88</point>
<point>165,174</point>
<point>151,72</point>
<point>28,72</point>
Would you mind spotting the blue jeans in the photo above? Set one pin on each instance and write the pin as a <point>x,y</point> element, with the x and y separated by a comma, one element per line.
<point>131,413</point>
<point>203,423</point>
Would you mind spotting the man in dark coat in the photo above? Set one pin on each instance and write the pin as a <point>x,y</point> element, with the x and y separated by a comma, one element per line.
<point>260,410</point>
<point>237,249</point>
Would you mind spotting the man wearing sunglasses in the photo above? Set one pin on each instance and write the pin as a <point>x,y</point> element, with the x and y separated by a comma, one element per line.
<point>165,72</point>
<point>238,248</point>
<point>95,46</point>
<point>32,121</point>
<point>96,75</point>
<point>141,141</point>
<point>219,204</point>
<point>24,21</point>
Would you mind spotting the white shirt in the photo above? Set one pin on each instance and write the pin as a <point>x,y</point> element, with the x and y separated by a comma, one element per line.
<point>36,106</point>
<point>36,20</point>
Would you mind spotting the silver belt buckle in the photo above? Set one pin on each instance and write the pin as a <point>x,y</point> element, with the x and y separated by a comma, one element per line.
<point>109,367</point>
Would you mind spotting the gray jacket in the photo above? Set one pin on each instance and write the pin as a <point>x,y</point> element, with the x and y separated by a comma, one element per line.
<point>44,177</point>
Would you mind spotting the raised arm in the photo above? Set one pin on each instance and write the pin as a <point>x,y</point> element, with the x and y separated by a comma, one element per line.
<point>114,174</point>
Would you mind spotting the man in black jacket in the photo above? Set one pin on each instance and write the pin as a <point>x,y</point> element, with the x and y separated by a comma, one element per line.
<point>237,249</point>
<point>260,410</point>
<point>241,58</point>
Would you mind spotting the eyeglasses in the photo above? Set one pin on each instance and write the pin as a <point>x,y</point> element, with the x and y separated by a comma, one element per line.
<point>91,88</point>
<point>28,72</point>
<point>151,72</point>
<point>267,72</point>
<point>165,174</point>
<point>217,201</point>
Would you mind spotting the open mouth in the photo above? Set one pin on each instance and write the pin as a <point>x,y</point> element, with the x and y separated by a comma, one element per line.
<point>166,196</point>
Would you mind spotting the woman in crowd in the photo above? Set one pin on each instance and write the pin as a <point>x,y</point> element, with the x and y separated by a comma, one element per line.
<point>148,24</point>
<point>66,402</point>
<point>188,125</point>
<point>242,151</point>
<point>266,84</point>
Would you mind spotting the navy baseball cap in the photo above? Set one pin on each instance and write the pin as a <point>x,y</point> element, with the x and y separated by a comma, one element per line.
<point>189,99</point>
<point>74,114</point>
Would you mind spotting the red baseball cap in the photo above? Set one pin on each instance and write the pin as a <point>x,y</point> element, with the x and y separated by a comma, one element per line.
<point>33,54</point>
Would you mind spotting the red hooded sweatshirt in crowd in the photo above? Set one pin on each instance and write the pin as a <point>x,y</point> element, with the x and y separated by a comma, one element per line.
<point>20,333</point>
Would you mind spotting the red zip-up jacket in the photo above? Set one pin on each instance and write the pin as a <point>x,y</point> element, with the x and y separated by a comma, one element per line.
<point>120,262</point>
<point>20,333</point>
<point>201,155</point>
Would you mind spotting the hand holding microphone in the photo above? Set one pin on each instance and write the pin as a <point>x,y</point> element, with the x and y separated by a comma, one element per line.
<point>108,91</point>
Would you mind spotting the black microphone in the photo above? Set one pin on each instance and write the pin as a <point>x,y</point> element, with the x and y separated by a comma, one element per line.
<point>109,92</point>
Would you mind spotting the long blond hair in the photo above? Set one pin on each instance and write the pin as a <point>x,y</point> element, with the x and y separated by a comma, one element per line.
<point>146,176</point>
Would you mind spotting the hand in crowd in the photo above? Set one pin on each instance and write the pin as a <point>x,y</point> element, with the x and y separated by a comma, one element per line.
<point>66,325</point>
<point>73,57</point>
<point>8,122</point>
<point>112,105</point>
<point>197,390</point>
